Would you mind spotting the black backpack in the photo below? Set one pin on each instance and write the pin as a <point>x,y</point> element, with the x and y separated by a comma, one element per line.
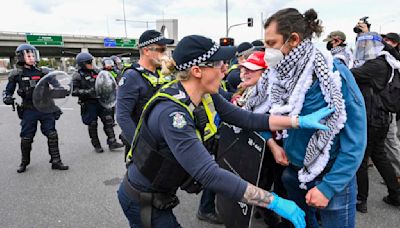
<point>390,95</point>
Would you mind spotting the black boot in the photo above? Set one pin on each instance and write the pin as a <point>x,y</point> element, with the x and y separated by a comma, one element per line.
<point>55,159</point>
<point>94,137</point>
<point>26,147</point>
<point>109,130</point>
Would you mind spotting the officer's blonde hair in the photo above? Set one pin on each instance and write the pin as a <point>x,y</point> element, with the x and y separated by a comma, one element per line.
<point>183,75</point>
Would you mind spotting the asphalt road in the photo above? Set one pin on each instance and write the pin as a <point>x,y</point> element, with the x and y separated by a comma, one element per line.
<point>85,195</point>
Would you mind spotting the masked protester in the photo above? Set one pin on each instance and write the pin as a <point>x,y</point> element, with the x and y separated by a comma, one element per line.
<point>335,43</point>
<point>139,82</point>
<point>321,165</point>
<point>377,63</point>
<point>26,76</point>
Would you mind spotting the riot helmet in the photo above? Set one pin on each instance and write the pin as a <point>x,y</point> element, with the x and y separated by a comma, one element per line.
<point>84,58</point>
<point>27,54</point>
<point>108,63</point>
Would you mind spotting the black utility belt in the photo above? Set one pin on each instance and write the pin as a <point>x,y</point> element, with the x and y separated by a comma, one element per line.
<point>161,201</point>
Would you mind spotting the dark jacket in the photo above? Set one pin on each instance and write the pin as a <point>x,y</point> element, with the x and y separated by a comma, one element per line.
<point>372,77</point>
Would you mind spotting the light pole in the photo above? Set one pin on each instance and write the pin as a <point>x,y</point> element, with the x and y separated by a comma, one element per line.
<point>123,7</point>
<point>226,13</point>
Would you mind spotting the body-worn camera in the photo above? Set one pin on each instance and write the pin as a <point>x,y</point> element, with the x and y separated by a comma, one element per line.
<point>362,20</point>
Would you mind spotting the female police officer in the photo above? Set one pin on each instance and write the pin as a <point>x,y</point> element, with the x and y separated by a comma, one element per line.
<point>167,149</point>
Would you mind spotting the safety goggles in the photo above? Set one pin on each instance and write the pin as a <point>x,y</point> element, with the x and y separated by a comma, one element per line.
<point>158,49</point>
<point>214,64</point>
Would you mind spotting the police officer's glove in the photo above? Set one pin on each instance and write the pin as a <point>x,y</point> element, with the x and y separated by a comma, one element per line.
<point>311,121</point>
<point>288,210</point>
<point>8,100</point>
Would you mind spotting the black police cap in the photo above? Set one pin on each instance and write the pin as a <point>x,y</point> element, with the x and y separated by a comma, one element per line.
<point>153,37</point>
<point>195,49</point>
<point>244,48</point>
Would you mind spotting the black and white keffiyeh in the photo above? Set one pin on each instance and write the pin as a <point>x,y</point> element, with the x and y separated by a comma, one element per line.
<point>343,54</point>
<point>281,91</point>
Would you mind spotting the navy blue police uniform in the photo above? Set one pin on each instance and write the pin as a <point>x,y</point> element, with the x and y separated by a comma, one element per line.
<point>136,87</point>
<point>27,77</point>
<point>91,109</point>
<point>168,153</point>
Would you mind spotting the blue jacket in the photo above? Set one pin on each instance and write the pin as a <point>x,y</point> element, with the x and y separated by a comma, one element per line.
<point>348,146</point>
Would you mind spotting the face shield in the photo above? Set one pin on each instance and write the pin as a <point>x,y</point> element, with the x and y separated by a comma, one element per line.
<point>368,46</point>
<point>29,56</point>
<point>108,64</point>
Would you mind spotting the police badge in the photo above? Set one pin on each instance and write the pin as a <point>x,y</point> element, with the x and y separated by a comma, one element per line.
<point>178,120</point>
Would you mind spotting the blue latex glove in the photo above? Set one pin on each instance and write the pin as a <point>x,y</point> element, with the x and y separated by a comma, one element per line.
<point>288,210</point>
<point>311,121</point>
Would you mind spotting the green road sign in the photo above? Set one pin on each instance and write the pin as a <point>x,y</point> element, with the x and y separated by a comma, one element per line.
<point>45,40</point>
<point>126,43</point>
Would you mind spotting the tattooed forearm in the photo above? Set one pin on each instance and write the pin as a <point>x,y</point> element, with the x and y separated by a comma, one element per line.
<point>257,196</point>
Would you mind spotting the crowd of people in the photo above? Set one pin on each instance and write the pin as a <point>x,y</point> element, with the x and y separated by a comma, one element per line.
<point>324,120</point>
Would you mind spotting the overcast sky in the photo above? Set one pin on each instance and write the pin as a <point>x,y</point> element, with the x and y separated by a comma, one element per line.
<point>205,17</point>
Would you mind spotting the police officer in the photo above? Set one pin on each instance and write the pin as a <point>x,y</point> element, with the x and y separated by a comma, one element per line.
<point>117,64</point>
<point>84,88</point>
<point>168,153</point>
<point>27,76</point>
<point>108,65</point>
<point>244,50</point>
<point>139,82</point>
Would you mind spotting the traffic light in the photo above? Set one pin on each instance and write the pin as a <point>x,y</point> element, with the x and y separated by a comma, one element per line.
<point>226,41</point>
<point>250,22</point>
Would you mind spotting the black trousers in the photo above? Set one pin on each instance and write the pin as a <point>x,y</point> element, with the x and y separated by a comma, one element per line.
<point>375,151</point>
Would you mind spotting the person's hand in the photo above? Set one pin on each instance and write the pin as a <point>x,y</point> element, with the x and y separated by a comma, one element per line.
<point>278,152</point>
<point>364,27</point>
<point>311,121</point>
<point>315,198</point>
<point>288,210</point>
<point>8,100</point>
<point>235,98</point>
<point>243,85</point>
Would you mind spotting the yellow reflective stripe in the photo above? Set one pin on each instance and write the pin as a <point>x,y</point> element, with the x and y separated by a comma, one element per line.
<point>156,80</point>
<point>114,74</point>
<point>234,66</point>
<point>161,94</point>
<point>211,128</point>
<point>223,85</point>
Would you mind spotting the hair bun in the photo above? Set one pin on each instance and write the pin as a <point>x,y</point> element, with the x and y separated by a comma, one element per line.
<point>310,15</point>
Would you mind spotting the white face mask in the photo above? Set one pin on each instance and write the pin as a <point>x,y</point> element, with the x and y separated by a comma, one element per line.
<point>273,56</point>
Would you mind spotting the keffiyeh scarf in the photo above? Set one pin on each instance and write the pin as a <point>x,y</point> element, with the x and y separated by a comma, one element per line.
<point>281,91</point>
<point>345,55</point>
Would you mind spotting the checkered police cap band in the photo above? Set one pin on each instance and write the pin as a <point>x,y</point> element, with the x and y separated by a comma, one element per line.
<point>152,41</point>
<point>201,59</point>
